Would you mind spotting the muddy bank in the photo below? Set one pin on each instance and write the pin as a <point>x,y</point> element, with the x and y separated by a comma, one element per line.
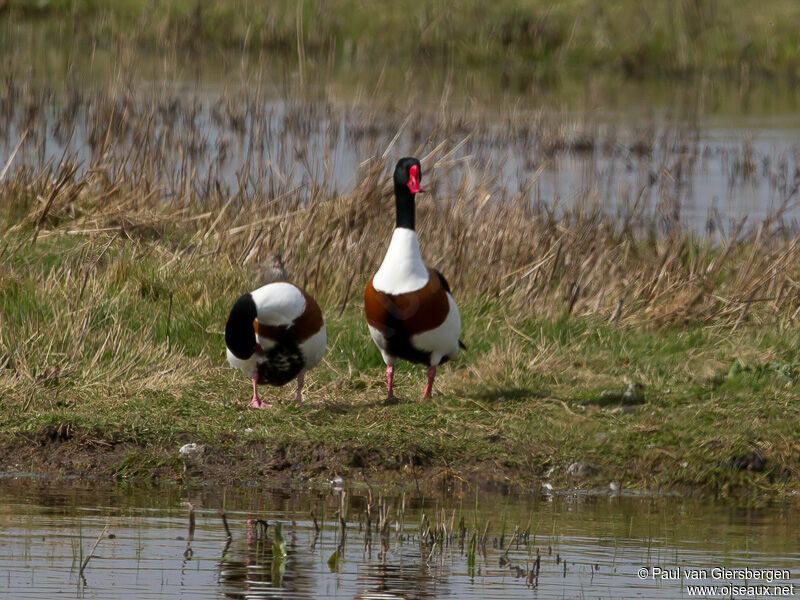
<point>58,456</point>
<point>77,457</point>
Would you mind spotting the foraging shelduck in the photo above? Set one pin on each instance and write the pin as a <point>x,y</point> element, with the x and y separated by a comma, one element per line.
<point>410,311</point>
<point>275,334</point>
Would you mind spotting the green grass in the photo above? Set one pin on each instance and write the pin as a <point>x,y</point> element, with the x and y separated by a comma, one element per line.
<point>97,376</point>
<point>636,39</point>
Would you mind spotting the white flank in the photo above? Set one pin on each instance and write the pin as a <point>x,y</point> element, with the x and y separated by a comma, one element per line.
<point>248,367</point>
<point>382,344</point>
<point>278,303</point>
<point>442,341</point>
<point>265,343</point>
<point>402,269</point>
<point>313,348</point>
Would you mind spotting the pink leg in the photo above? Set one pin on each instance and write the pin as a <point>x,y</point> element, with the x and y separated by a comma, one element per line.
<point>256,401</point>
<point>429,387</point>
<point>389,380</point>
<point>300,379</point>
<point>251,540</point>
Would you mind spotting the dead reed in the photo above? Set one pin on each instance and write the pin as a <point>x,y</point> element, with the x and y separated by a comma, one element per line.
<point>235,177</point>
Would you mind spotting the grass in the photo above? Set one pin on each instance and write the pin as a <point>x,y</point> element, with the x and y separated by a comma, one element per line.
<point>99,375</point>
<point>122,254</point>
<point>663,37</point>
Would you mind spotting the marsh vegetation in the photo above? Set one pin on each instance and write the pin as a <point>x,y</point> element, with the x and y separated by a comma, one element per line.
<point>616,331</point>
<point>522,41</point>
<point>354,541</point>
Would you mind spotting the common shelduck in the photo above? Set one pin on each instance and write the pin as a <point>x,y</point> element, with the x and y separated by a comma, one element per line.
<point>410,310</point>
<point>275,334</point>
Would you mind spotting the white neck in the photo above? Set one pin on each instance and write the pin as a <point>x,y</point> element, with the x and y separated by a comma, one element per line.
<point>402,269</point>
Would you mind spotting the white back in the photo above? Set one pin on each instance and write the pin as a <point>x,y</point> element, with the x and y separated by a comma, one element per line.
<point>402,269</point>
<point>278,303</point>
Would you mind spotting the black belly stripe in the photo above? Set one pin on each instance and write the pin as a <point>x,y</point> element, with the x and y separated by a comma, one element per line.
<point>280,364</point>
<point>398,341</point>
<point>402,316</point>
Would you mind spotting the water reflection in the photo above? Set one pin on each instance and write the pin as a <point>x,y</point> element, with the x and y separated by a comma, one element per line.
<point>396,545</point>
<point>248,568</point>
<point>411,578</point>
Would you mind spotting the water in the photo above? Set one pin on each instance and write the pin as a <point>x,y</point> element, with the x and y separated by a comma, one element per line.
<point>588,546</point>
<point>697,155</point>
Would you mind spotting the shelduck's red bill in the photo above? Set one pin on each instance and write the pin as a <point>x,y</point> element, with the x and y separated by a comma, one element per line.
<point>413,180</point>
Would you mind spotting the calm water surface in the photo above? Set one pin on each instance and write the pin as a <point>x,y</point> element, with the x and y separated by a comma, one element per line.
<point>700,154</point>
<point>587,546</point>
<point>701,171</point>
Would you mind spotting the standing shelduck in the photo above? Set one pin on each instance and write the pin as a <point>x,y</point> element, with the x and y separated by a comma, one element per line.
<point>275,334</point>
<point>410,311</point>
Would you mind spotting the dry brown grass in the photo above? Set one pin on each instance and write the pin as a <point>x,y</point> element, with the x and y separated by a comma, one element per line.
<point>237,176</point>
<point>576,262</point>
<point>86,360</point>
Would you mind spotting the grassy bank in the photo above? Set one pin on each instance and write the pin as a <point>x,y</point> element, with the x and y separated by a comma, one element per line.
<point>664,37</point>
<point>112,356</point>
<point>122,250</point>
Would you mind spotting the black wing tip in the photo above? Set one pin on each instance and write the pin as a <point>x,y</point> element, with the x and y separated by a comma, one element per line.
<point>462,345</point>
<point>443,281</point>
